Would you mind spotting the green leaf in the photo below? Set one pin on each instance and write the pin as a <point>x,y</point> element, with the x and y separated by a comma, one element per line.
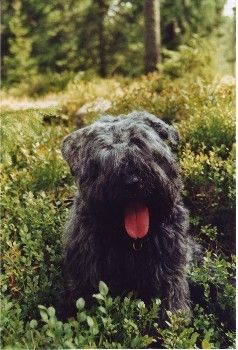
<point>69,344</point>
<point>141,305</point>
<point>194,337</point>
<point>169,313</point>
<point>98,296</point>
<point>95,330</point>
<point>103,289</point>
<point>206,344</point>
<point>90,321</point>
<point>42,307</point>
<point>80,303</point>
<point>43,313</point>
<point>44,316</point>
<point>102,309</point>
<point>135,342</point>
<point>51,311</point>
<point>4,288</point>
<point>33,323</point>
<point>81,317</point>
<point>157,301</point>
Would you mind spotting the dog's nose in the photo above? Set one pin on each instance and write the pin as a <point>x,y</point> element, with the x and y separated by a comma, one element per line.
<point>132,180</point>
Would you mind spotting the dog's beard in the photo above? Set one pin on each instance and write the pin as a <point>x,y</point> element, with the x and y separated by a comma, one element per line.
<point>136,208</point>
<point>135,216</point>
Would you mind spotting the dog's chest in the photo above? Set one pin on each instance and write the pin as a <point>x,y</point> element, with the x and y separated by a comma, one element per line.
<point>129,270</point>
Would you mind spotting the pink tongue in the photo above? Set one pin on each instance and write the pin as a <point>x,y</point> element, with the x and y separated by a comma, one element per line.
<point>136,220</point>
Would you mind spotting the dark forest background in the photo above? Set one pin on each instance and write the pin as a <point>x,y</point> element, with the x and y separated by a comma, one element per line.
<point>103,37</point>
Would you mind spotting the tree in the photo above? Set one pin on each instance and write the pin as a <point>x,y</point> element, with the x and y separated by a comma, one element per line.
<point>19,62</point>
<point>104,36</point>
<point>102,10</point>
<point>182,18</point>
<point>152,34</point>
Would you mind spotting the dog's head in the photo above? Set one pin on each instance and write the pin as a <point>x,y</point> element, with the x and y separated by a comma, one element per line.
<point>124,165</point>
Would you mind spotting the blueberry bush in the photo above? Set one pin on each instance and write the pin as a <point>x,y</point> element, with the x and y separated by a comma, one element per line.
<point>36,186</point>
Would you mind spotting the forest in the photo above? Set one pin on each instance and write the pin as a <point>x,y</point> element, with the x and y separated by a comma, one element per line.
<point>66,63</point>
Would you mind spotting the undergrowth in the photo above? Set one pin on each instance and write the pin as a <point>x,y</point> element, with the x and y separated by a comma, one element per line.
<point>36,186</point>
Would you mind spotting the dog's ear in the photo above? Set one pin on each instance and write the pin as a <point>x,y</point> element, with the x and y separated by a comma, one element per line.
<point>71,149</point>
<point>165,131</point>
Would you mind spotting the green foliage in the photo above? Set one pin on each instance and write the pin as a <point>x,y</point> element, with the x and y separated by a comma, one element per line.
<point>41,38</point>
<point>181,334</point>
<point>32,165</point>
<point>82,90</point>
<point>32,217</point>
<point>196,57</point>
<point>36,184</point>
<point>178,334</point>
<point>116,323</point>
<point>218,271</point>
<point>211,121</point>
<point>208,107</point>
<point>38,84</point>
<point>209,179</point>
<point>182,19</point>
<point>225,50</point>
<point>19,63</point>
<point>112,323</point>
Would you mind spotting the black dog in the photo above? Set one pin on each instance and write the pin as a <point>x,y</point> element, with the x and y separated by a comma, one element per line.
<point>128,225</point>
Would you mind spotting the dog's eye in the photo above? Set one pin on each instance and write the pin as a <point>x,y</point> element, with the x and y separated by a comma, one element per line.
<point>169,169</point>
<point>89,172</point>
<point>94,169</point>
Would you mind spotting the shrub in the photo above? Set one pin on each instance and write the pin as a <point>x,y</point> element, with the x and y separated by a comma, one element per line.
<point>218,271</point>
<point>36,184</point>
<point>32,211</point>
<point>203,106</point>
<point>201,110</point>
<point>204,332</point>
<point>210,188</point>
<point>81,91</point>
<point>196,58</point>
<point>211,121</point>
<point>40,84</point>
<point>31,151</point>
<point>112,323</point>
<point>31,247</point>
<point>118,323</point>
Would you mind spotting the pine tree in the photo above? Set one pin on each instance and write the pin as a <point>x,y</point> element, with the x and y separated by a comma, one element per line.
<point>19,64</point>
<point>152,34</point>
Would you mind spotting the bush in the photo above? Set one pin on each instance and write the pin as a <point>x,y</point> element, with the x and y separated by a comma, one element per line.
<point>81,91</point>
<point>185,98</point>
<point>203,333</point>
<point>210,188</point>
<point>196,58</point>
<point>31,150</point>
<point>36,185</point>
<point>118,323</point>
<point>217,271</point>
<point>211,122</point>
<point>35,85</point>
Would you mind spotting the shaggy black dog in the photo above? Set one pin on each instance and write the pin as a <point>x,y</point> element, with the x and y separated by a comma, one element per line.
<point>128,225</point>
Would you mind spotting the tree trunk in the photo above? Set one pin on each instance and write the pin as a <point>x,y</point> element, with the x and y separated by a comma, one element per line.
<point>152,34</point>
<point>101,38</point>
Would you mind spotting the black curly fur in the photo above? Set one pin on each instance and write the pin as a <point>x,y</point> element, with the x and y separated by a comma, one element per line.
<point>105,158</point>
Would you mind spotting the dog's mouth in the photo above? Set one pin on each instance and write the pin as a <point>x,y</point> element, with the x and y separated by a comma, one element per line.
<point>136,219</point>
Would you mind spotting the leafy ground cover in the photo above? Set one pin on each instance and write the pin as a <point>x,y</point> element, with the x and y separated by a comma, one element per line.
<point>36,186</point>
